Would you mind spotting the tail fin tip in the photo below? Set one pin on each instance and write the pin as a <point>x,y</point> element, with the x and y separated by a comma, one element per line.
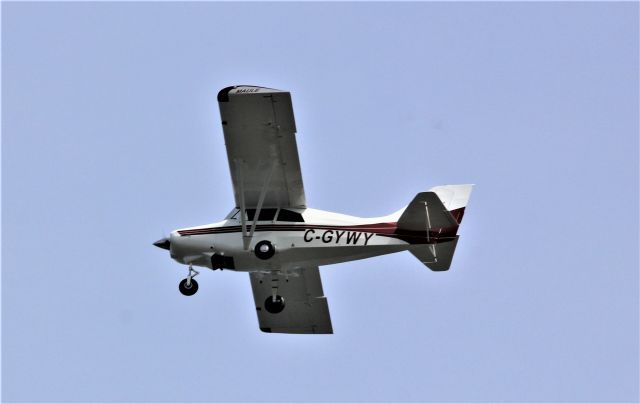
<point>453,196</point>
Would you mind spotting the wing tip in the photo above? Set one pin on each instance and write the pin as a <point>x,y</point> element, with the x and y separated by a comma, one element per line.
<point>223,95</point>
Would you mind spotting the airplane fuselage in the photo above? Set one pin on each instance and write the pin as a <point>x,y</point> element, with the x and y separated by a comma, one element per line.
<point>323,238</point>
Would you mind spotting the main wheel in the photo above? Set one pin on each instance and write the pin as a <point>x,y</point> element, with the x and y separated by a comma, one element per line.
<point>276,306</point>
<point>264,250</point>
<point>188,290</point>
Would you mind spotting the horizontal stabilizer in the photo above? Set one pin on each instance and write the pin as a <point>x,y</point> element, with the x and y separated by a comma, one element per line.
<point>426,211</point>
<point>436,257</point>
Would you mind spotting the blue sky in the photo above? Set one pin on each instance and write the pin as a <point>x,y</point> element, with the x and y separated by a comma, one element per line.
<point>111,138</point>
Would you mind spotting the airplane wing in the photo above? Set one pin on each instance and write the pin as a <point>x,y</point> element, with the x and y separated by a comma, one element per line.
<point>259,132</point>
<point>305,307</point>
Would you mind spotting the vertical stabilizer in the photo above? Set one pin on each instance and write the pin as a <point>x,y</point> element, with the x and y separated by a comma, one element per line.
<point>438,213</point>
<point>454,198</point>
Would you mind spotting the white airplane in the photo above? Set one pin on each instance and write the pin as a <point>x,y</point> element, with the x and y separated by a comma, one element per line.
<point>278,240</point>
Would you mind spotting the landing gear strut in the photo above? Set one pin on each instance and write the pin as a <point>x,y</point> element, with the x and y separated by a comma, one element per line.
<point>275,303</point>
<point>189,286</point>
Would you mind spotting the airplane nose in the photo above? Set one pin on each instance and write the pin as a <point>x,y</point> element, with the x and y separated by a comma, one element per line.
<point>163,243</point>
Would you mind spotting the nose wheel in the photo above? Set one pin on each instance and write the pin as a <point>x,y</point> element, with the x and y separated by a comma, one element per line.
<point>189,286</point>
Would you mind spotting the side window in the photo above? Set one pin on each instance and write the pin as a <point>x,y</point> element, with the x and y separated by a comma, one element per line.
<point>289,216</point>
<point>265,214</point>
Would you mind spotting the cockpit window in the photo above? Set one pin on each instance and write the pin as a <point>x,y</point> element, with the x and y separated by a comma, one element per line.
<point>286,215</point>
<point>265,214</point>
<point>233,214</point>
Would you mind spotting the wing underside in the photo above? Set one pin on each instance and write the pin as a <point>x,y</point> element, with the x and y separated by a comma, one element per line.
<point>259,132</point>
<point>305,308</point>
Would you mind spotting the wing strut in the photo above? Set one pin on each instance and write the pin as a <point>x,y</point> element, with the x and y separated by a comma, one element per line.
<point>243,206</point>
<point>263,193</point>
<point>246,238</point>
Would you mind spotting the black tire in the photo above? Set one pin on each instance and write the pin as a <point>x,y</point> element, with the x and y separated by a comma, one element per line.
<point>188,290</point>
<point>264,250</point>
<point>276,306</point>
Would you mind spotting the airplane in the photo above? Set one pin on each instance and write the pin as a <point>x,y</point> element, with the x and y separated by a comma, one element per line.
<point>278,240</point>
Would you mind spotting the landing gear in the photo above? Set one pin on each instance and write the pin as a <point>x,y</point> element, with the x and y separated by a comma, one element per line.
<point>189,286</point>
<point>274,304</point>
<point>264,250</point>
<point>186,289</point>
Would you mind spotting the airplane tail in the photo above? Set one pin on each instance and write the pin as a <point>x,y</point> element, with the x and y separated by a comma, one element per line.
<point>439,212</point>
<point>454,198</point>
<point>437,257</point>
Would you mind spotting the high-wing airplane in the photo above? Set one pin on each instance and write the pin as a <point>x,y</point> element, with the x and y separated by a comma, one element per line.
<point>278,240</point>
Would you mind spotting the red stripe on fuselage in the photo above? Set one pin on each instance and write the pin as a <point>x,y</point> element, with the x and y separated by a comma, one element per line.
<point>381,229</point>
